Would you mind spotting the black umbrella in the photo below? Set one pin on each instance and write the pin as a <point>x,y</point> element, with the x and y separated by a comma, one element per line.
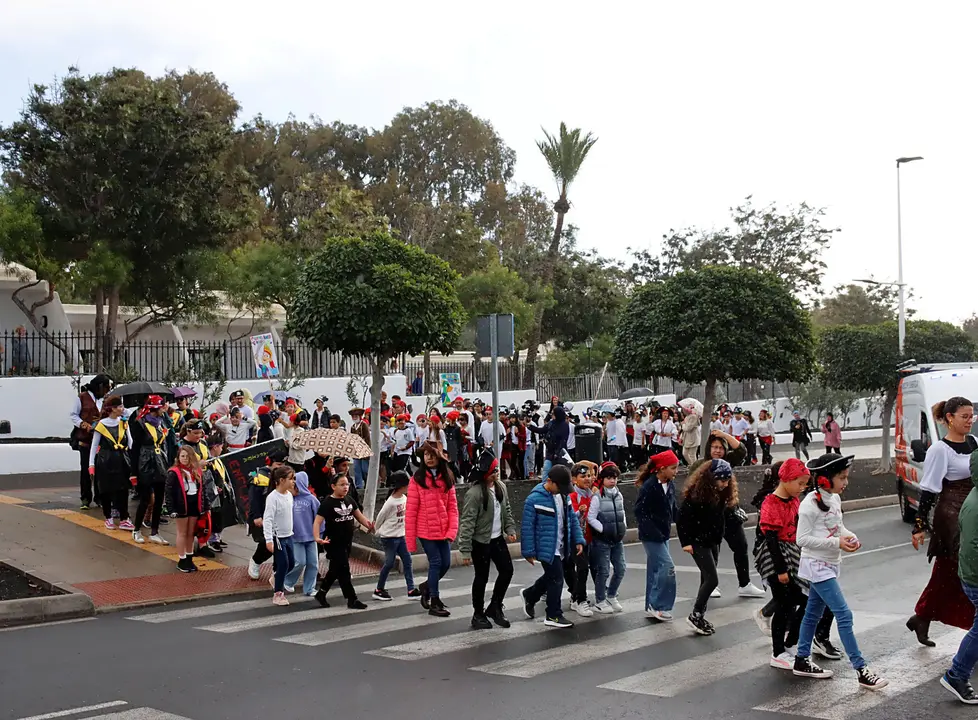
<point>135,393</point>
<point>636,393</point>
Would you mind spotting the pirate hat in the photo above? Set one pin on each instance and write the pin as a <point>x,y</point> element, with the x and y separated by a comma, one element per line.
<point>830,464</point>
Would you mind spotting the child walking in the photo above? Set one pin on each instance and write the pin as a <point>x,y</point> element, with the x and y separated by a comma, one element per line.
<point>606,516</point>
<point>823,538</point>
<point>577,567</point>
<point>776,559</point>
<point>337,513</point>
<point>278,528</point>
<point>305,505</point>
<point>485,526</point>
<point>655,511</point>
<point>390,530</point>
<point>700,525</point>
<point>185,498</point>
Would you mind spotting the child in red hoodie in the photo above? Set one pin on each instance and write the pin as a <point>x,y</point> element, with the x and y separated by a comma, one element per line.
<point>576,567</point>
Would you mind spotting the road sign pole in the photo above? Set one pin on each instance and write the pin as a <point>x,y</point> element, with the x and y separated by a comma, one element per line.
<point>494,361</point>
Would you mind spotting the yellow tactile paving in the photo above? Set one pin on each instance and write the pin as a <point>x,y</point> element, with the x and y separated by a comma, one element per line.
<point>98,525</point>
<point>11,500</point>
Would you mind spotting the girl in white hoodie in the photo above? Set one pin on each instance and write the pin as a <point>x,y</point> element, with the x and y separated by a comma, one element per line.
<point>823,538</point>
<point>278,528</point>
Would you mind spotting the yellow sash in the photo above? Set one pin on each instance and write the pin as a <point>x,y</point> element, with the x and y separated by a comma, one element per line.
<point>157,439</point>
<point>117,443</point>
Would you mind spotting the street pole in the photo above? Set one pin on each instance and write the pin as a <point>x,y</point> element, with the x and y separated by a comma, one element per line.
<point>494,368</point>
<point>589,343</point>
<point>901,287</point>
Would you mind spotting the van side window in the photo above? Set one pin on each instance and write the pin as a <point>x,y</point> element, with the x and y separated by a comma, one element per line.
<point>924,430</point>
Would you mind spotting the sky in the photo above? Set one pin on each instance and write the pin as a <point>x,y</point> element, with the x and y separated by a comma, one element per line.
<point>696,105</point>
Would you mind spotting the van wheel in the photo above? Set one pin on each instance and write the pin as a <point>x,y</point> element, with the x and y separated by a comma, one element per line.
<point>906,509</point>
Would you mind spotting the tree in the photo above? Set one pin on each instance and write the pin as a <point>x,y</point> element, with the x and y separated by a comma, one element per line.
<point>565,154</point>
<point>344,300</point>
<point>857,305</point>
<point>970,326</point>
<point>589,293</point>
<point>133,187</point>
<point>703,326</point>
<point>864,359</point>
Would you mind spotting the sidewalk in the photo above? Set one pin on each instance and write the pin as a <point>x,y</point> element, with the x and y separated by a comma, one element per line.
<point>43,529</point>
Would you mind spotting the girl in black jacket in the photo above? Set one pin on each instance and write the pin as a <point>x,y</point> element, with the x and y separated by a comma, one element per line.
<point>700,525</point>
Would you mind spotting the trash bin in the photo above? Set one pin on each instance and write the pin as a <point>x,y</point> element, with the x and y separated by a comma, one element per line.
<point>589,438</point>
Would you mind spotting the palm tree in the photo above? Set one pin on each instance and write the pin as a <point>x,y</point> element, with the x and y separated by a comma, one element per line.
<point>565,154</point>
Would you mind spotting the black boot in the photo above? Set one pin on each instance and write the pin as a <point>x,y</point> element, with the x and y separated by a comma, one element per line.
<point>495,613</point>
<point>438,609</point>
<point>425,596</point>
<point>480,621</point>
<point>922,628</point>
<point>321,598</point>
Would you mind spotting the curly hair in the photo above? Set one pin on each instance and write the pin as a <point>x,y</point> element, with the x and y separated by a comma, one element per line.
<point>701,487</point>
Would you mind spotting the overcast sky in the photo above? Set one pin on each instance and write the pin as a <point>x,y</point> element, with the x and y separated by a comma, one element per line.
<point>696,104</point>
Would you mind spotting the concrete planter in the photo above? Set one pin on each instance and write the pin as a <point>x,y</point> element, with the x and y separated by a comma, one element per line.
<point>67,604</point>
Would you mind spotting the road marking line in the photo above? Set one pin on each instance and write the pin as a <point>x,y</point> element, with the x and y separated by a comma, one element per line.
<point>77,711</point>
<point>880,549</point>
<point>695,672</point>
<point>46,624</point>
<point>360,630</point>
<point>142,713</point>
<point>608,646</point>
<point>681,568</point>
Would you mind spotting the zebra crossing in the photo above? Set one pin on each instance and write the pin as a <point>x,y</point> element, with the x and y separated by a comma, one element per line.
<point>667,662</point>
<point>113,711</point>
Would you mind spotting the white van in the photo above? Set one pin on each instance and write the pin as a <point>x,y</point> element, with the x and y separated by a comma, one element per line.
<point>921,387</point>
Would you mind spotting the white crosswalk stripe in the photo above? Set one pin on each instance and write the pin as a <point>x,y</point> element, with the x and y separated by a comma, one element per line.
<point>694,672</point>
<point>468,639</point>
<point>361,630</point>
<point>558,658</point>
<point>142,713</point>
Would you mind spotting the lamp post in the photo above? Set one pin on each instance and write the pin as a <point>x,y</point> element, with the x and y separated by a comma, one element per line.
<point>589,343</point>
<point>901,286</point>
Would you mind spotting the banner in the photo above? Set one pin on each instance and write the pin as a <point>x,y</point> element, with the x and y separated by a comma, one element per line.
<point>451,387</point>
<point>241,464</point>
<point>263,350</point>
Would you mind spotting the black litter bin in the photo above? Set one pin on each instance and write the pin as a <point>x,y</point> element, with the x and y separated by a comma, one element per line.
<point>588,439</point>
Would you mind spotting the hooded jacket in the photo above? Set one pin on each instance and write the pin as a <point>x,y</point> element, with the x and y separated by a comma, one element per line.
<point>555,433</point>
<point>432,512</point>
<point>304,509</point>
<point>968,522</point>
<point>538,535</point>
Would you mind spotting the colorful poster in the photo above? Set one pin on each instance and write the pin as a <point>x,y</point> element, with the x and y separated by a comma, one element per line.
<point>263,349</point>
<point>451,387</point>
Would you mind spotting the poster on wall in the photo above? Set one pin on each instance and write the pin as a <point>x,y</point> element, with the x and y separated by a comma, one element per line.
<point>263,349</point>
<point>451,387</point>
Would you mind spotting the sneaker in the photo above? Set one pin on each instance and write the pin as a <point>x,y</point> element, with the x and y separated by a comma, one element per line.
<point>147,525</point>
<point>110,524</point>
<point>158,540</point>
<point>763,622</point>
<point>582,608</point>
<point>138,537</point>
<point>825,649</point>
<point>529,609</point>
<point>870,680</point>
<point>205,552</point>
<point>716,593</point>
<point>289,588</point>
<point>190,564</point>
<point>784,661</point>
<point>321,598</point>
<point>254,569</point>
<point>481,622</point>
<point>222,543</point>
<point>495,613</point>
<point>558,622</point>
<point>215,546</point>
<point>414,593</point>
<point>961,689</point>
<point>164,520</point>
<point>356,605</point>
<point>750,590</point>
<point>615,605</point>
<point>280,599</point>
<point>127,525</point>
<point>182,565</point>
<point>662,616</point>
<point>804,667</point>
<point>699,624</point>
<point>604,607</point>
<point>382,595</point>
<point>83,506</point>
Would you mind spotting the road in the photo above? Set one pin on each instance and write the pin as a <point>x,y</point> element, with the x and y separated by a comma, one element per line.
<point>249,659</point>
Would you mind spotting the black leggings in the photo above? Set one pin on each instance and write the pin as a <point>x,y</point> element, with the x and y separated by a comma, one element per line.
<point>788,613</point>
<point>148,492</point>
<point>576,569</point>
<point>339,572</point>
<point>706,560</point>
<point>496,552</point>
<point>733,533</point>
<point>822,630</point>
<point>119,499</point>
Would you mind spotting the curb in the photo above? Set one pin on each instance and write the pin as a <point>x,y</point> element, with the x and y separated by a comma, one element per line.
<point>68,605</point>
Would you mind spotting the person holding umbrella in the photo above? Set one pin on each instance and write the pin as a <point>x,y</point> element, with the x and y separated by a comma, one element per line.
<point>149,460</point>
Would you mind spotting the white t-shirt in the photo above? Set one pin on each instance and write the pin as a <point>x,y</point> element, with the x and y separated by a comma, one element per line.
<point>571,437</point>
<point>740,427</point>
<point>663,432</point>
<point>402,441</point>
<point>727,427</point>
<point>716,425</point>
<point>559,503</point>
<point>485,432</point>
<point>616,432</point>
<point>497,519</point>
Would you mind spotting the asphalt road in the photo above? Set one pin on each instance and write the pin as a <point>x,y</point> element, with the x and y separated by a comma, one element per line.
<point>249,659</point>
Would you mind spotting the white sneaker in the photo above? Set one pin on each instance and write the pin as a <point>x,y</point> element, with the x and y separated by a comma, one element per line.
<point>582,608</point>
<point>763,623</point>
<point>784,661</point>
<point>254,569</point>
<point>158,540</point>
<point>280,599</point>
<point>613,600</point>
<point>750,590</point>
<point>138,537</point>
<point>715,593</point>
<point>271,581</point>
<point>289,589</point>
<point>660,615</point>
<point>604,607</point>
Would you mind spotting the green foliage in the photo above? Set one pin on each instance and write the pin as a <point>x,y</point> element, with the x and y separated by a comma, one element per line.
<point>815,399</point>
<point>704,326</point>
<point>408,295</point>
<point>573,360</point>
<point>22,237</point>
<point>589,294</point>
<point>858,305</point>
<point>565,152</point>
<point>970,326</point>
<point>497,289</point>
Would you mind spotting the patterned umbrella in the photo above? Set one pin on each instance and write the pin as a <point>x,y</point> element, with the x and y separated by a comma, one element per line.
<point>336,443</point>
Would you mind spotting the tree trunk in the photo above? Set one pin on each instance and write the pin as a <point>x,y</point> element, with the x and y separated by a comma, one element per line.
<point>886,461</point>
<point>373,473</point>
<point>426,369</point>
<point>100,363</point>
<point>31,313</point>
<point>546,279</point>
<point>709,401</point>
<point>111,322</point>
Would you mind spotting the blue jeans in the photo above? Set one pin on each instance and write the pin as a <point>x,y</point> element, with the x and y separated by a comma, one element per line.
<point>603,554</point>
<point>551,584</point>
<point>547,466</point>
<point>439,554</point>
<point>306,556</point>
<point>360,469</point>
<point>660,576</point>
<point>529,457</point>
<point>394,547</point>
<point>964,661</point>
<point>284,553</point>
<point>822,594</point>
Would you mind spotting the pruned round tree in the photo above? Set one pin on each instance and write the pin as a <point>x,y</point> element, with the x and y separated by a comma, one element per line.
<point>376,297</point>
<point>713,325</point>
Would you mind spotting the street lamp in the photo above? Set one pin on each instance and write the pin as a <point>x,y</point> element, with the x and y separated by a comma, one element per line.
<point>901,286</point>
<point>589,343</point>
